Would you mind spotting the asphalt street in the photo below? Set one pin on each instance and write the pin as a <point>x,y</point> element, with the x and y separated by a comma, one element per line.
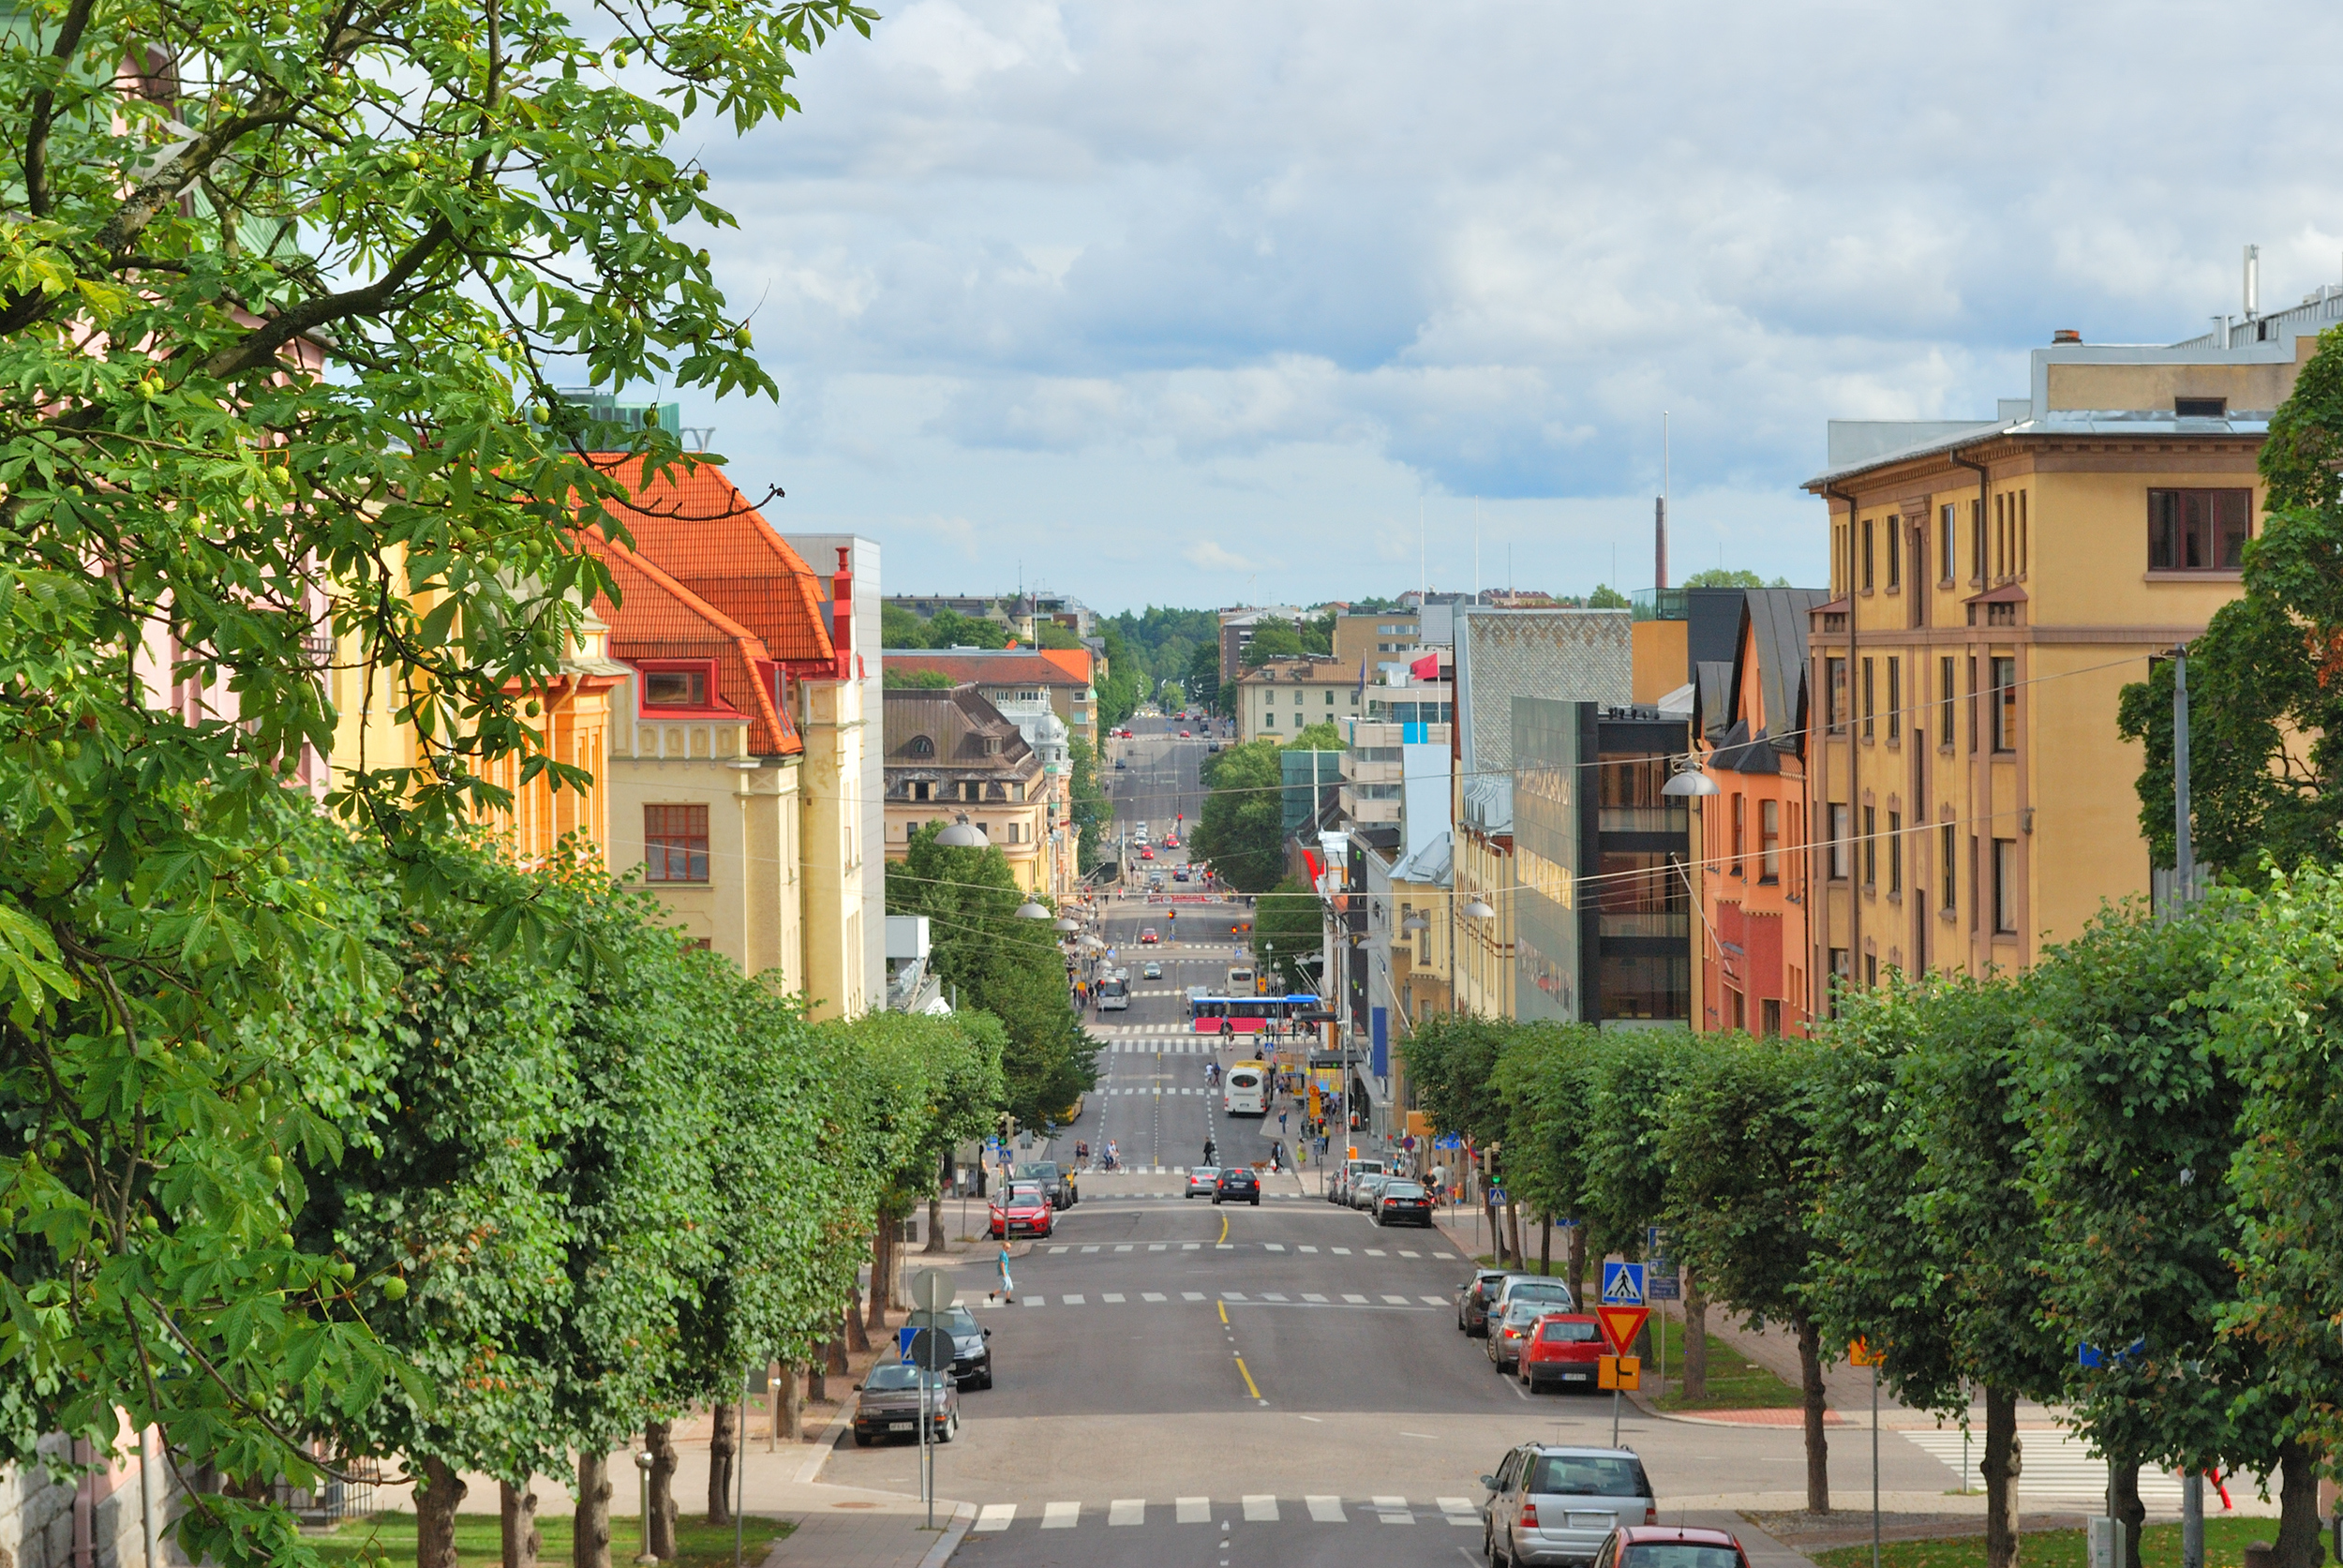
<point>1177,1382</point>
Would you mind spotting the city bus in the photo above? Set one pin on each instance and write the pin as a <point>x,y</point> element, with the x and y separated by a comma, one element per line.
<point>1246,1015</point>
<point>1114,993</point>
<point>1241,980</point>
<point>1244,1089</point>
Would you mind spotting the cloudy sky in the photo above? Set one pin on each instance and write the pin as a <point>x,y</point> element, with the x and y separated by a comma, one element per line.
<point>1211,302</point>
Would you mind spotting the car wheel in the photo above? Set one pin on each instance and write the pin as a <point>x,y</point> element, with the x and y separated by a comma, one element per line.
<point>1488,1547</point>
<point>862,1439</point>
<point>1257,1200</point>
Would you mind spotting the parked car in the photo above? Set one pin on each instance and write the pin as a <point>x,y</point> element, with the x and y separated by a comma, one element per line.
<point>1509,1330</point>
<point>889,1404</point>
<point>1549,1504</point>
<point>1671,1547</point>
<point>1402,1203</point>
<point>1151,970</point>
<point>1056,1181</point>
<point>1238,1184</point>
<point>1120,763</point>
<point>1561,1351</point>
<point>1179,874</point>
<point>1339,1190</point>
<point>1203,1181</point>
<point>972,1358</point>
<point>1472,1301</point>
<point>1545,1287</point>
<point>1022,1207</point>
<point>1148,938</point>
<point>1363,1187</point>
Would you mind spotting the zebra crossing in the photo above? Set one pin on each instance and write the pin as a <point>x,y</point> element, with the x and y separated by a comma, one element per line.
<point>1155,1089</point>
<point>1384,1300</point>
<point>2053,1464</point>
<point>1163,1037</point>
<point>1085,1249</point>
<point>1249,1508</point>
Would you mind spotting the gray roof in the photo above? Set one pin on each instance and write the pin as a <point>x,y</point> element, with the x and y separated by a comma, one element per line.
<point>1430,864</point>
<point>1778,619</point>
<point>1929,438</point>
<point>1573,654</point>
<point>1714,679</point>
<point>1488,804</point>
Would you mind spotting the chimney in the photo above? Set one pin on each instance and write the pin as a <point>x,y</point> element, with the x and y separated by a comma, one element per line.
<point>2253,281</point>
<point>1659,542</point>
<point>842,617</point>
<point>2065,335</point>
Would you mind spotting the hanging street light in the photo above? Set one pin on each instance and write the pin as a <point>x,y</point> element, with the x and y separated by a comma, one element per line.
<point>1030,910</point>
<point>963,834</point>
<point>1479,909</point>
<point>1690,780</point>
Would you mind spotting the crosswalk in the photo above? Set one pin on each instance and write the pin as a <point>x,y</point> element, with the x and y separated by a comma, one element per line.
<point>1381,1300</point>
<point>1249,1508</point>
<point>2050,1464</point>
<point>1158,1090</point>
<point>1169,1045</point>
<point>1085,1249</point>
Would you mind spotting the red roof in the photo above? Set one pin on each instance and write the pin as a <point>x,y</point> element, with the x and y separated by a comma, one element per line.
<point>660,618</point>
<point>1018,667</point>
<point>704,533</point>
<point>1075,660</point>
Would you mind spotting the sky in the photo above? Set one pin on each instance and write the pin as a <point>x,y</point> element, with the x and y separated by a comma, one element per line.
<point>1214,303</point>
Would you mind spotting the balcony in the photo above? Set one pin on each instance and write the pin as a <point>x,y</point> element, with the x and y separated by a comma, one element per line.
<point>1365,808</point>
<point>1356,771</point>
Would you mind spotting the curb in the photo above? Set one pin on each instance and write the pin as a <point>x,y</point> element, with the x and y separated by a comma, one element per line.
<point>963,1515</point>
<point>825,1445</point>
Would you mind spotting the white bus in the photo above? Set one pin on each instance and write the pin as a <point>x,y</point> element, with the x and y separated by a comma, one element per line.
<point>1114,993</point>
<point>1240,980</point>
<point>1244,1089</point>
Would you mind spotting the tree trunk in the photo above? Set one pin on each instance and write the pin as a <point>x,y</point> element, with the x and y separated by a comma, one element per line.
<point>434,1515</point>
<point>1513,1228</point>
<point>817,1380</point>
<point>724,1447</point>
<point>2298,1507</point>
<point>1545,1244</point>
<point>590,1541</point>
<point>2003,1463</point>
<point>856,1335</point>
<point>879,1249</point>
<point>2123,1484</point>
<point>1575,1245</point>
<point>935,1225</point>
<point>517,1508</point>
<point>659,1442</point>
<point>834,1357</point>
<point>1695,1384</point>
<point>1817,1447</point>
<point>786,1410</point>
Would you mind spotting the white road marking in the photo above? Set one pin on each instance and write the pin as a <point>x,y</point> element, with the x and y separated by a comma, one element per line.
<point>1190,1245</point>
<point>1372,1251</point>
<point>1393,1510</point>
<point>1058,1248</point>
<point>995,1516</point>
<point>1150,1295</point>
<point>1403,1254</point>
<point>1356,1301</point>
<point>1232,1295</point>
<point>1437,1301</point>
<point>1116,1299</point>
<point>1090,1250</point>
<point>1445,1257</point>
<point>1324,1510</point>
<point>1260,1509</point>
<point>1309,1249</point>
<point>1192,1510</point>
<point>1125,1248</point>
<point>1191,1295</point>
<point>1307,1295</point>
<point>1061,1515</point>
<point>1342,1252</point>
<point>1459,1511</point>
<point>1070,1301</point>
<point>1273,1246</point>
<point>1271,1295</point>
<point>1157,1246</point>
<point>1396,1301</point>
<point>1128,1511</point>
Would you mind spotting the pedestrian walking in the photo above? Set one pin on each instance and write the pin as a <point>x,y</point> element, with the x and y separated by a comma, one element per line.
<point>1009,1286</point>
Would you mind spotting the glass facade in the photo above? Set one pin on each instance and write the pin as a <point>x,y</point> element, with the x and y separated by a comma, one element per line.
<point>1545,859</point>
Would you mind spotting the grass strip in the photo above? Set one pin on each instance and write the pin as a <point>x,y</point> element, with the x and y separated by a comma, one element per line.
<point>2225,1541</point>
<point>390,1538</point>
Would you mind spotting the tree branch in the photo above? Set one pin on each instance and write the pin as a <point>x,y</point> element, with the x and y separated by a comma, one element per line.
<point>45,111</point>
<point>258,347</point>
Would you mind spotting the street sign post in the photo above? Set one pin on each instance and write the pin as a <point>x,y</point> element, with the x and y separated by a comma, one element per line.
<point>1622,1284</point>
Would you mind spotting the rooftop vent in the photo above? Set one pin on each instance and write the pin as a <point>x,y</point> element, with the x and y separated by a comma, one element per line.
<point>2200,408</point>
<point>2065,335</point>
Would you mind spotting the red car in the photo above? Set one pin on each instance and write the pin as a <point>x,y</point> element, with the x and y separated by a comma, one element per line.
<point>1172,843</point>
<point>1561,1350</point>
<point>1147,938</point>
<point>1023,1207</point>
<point>1670,1546</point>
<point>1184,735</point>
<point>1146,854</point>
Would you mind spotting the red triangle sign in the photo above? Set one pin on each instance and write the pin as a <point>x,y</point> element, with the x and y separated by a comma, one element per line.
<point>1620,1324</point>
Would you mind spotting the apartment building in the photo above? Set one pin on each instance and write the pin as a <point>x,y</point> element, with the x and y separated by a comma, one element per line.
<point>1285,697</point>
<point>1236,633</point>
<point>1379,642</point>
<point>1996,583</point>
<point>1063,678</point>
<point>952,757</point>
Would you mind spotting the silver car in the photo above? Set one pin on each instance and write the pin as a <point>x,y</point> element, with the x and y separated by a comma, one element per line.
<point>1202,1180</point>
<point>1548,1290</point>
<point>1363,1188</point>
<point>1552,1504</point>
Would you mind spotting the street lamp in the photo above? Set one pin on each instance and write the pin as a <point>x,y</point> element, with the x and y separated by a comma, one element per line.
<point>963,834</point>
<point>1067,924</point>
<point>1479,909</point>
<point>1032,910</point>
<point>1690,780</point>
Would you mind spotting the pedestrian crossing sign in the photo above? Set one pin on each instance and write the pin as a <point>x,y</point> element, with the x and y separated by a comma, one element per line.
<point>1622,1284</point>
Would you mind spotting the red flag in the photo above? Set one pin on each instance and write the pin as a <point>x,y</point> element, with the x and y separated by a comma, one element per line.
<point>1425,668</point>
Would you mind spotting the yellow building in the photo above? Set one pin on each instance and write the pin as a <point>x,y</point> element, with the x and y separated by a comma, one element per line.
<point>1994,585</point>
<point>952,757</point>
<point>1287,696</point>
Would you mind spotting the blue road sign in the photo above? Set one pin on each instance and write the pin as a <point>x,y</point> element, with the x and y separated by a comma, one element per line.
<point>1622,1284</point>
<point>1497,1196</point>
<point>1449,1141</point>
<point>2087,1355</point>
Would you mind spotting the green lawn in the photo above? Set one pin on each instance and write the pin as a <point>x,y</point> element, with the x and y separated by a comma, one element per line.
<point>390,1538</point>
<point>1735,1381</point>
<point>2225,1543</point>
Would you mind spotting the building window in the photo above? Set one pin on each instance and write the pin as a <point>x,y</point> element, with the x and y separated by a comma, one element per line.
<point>1868,707</point>
<point>2005,704</point>
<point>1871,847</point>
<point>1834,695</point>
<point>1769,841</point>
<point>1944,543</point>
<point>1977,541</point>
<point>2004,886</point>
<point>920,745</point>
<point>1943,695</point>
<point>1895,698</point>
<point>1973,899</point>
<point>1972,703</point>
<point>1895,554</point>
<point>2200,407</point>
<point>1839,851</point>
<point>1895,854</point>
<point>919,789</point>
<point>2197,530</point>
<point>1868,525</point>
<point>1949,843</point>
<point>1870,970</point>
<point>675,688</point>
<point>2021,510</point>
<point>674,843</point>
<point>1740,827</point>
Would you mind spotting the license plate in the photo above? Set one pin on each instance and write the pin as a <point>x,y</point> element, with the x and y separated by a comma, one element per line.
<point>901,1426</point>
<point>1573,1376</point>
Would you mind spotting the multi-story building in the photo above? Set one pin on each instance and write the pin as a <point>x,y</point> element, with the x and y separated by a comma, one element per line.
<point>1284,697</point>
<point>1061,677</point>
<point>1995,584</point>
<point>1752,833</point>
<point>1047,734</point>
<point>952,757</point>
<point>1379,642</point>
<point>1236,633</point>
<point>865,805</point>
<point>1565,654</point>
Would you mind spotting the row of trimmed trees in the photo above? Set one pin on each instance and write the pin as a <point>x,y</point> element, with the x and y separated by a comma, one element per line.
<point>2109,1184</point>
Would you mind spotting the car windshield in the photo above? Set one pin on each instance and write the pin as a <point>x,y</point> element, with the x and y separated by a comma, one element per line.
<point>1203,1173</point>
<point>1024,1195</point>
<point>959,1319</point>
<point>1562,1331</point>
<point>1588,1475</point>
<point>1680,1554</point>
<point>1402,1189</point>
<point>1039,1170</point>
<point>896,1376</point>
<point>1521,1312</point>
<point>1538,1290</point>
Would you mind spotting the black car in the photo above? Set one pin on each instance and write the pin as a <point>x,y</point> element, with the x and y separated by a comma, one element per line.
<point>1398,1202</point>
<point>1238,1184</point>
<point>972,1358</point>
<point>1056,1182</point>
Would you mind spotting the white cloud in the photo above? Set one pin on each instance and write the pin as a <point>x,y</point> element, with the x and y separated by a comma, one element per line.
<point>1165,296</point>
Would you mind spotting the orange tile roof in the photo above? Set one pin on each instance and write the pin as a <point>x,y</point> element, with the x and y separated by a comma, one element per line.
<point>1075,660</point>
<point>658,617</point>
<point>704,533</point>
<point>1003,668</point>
